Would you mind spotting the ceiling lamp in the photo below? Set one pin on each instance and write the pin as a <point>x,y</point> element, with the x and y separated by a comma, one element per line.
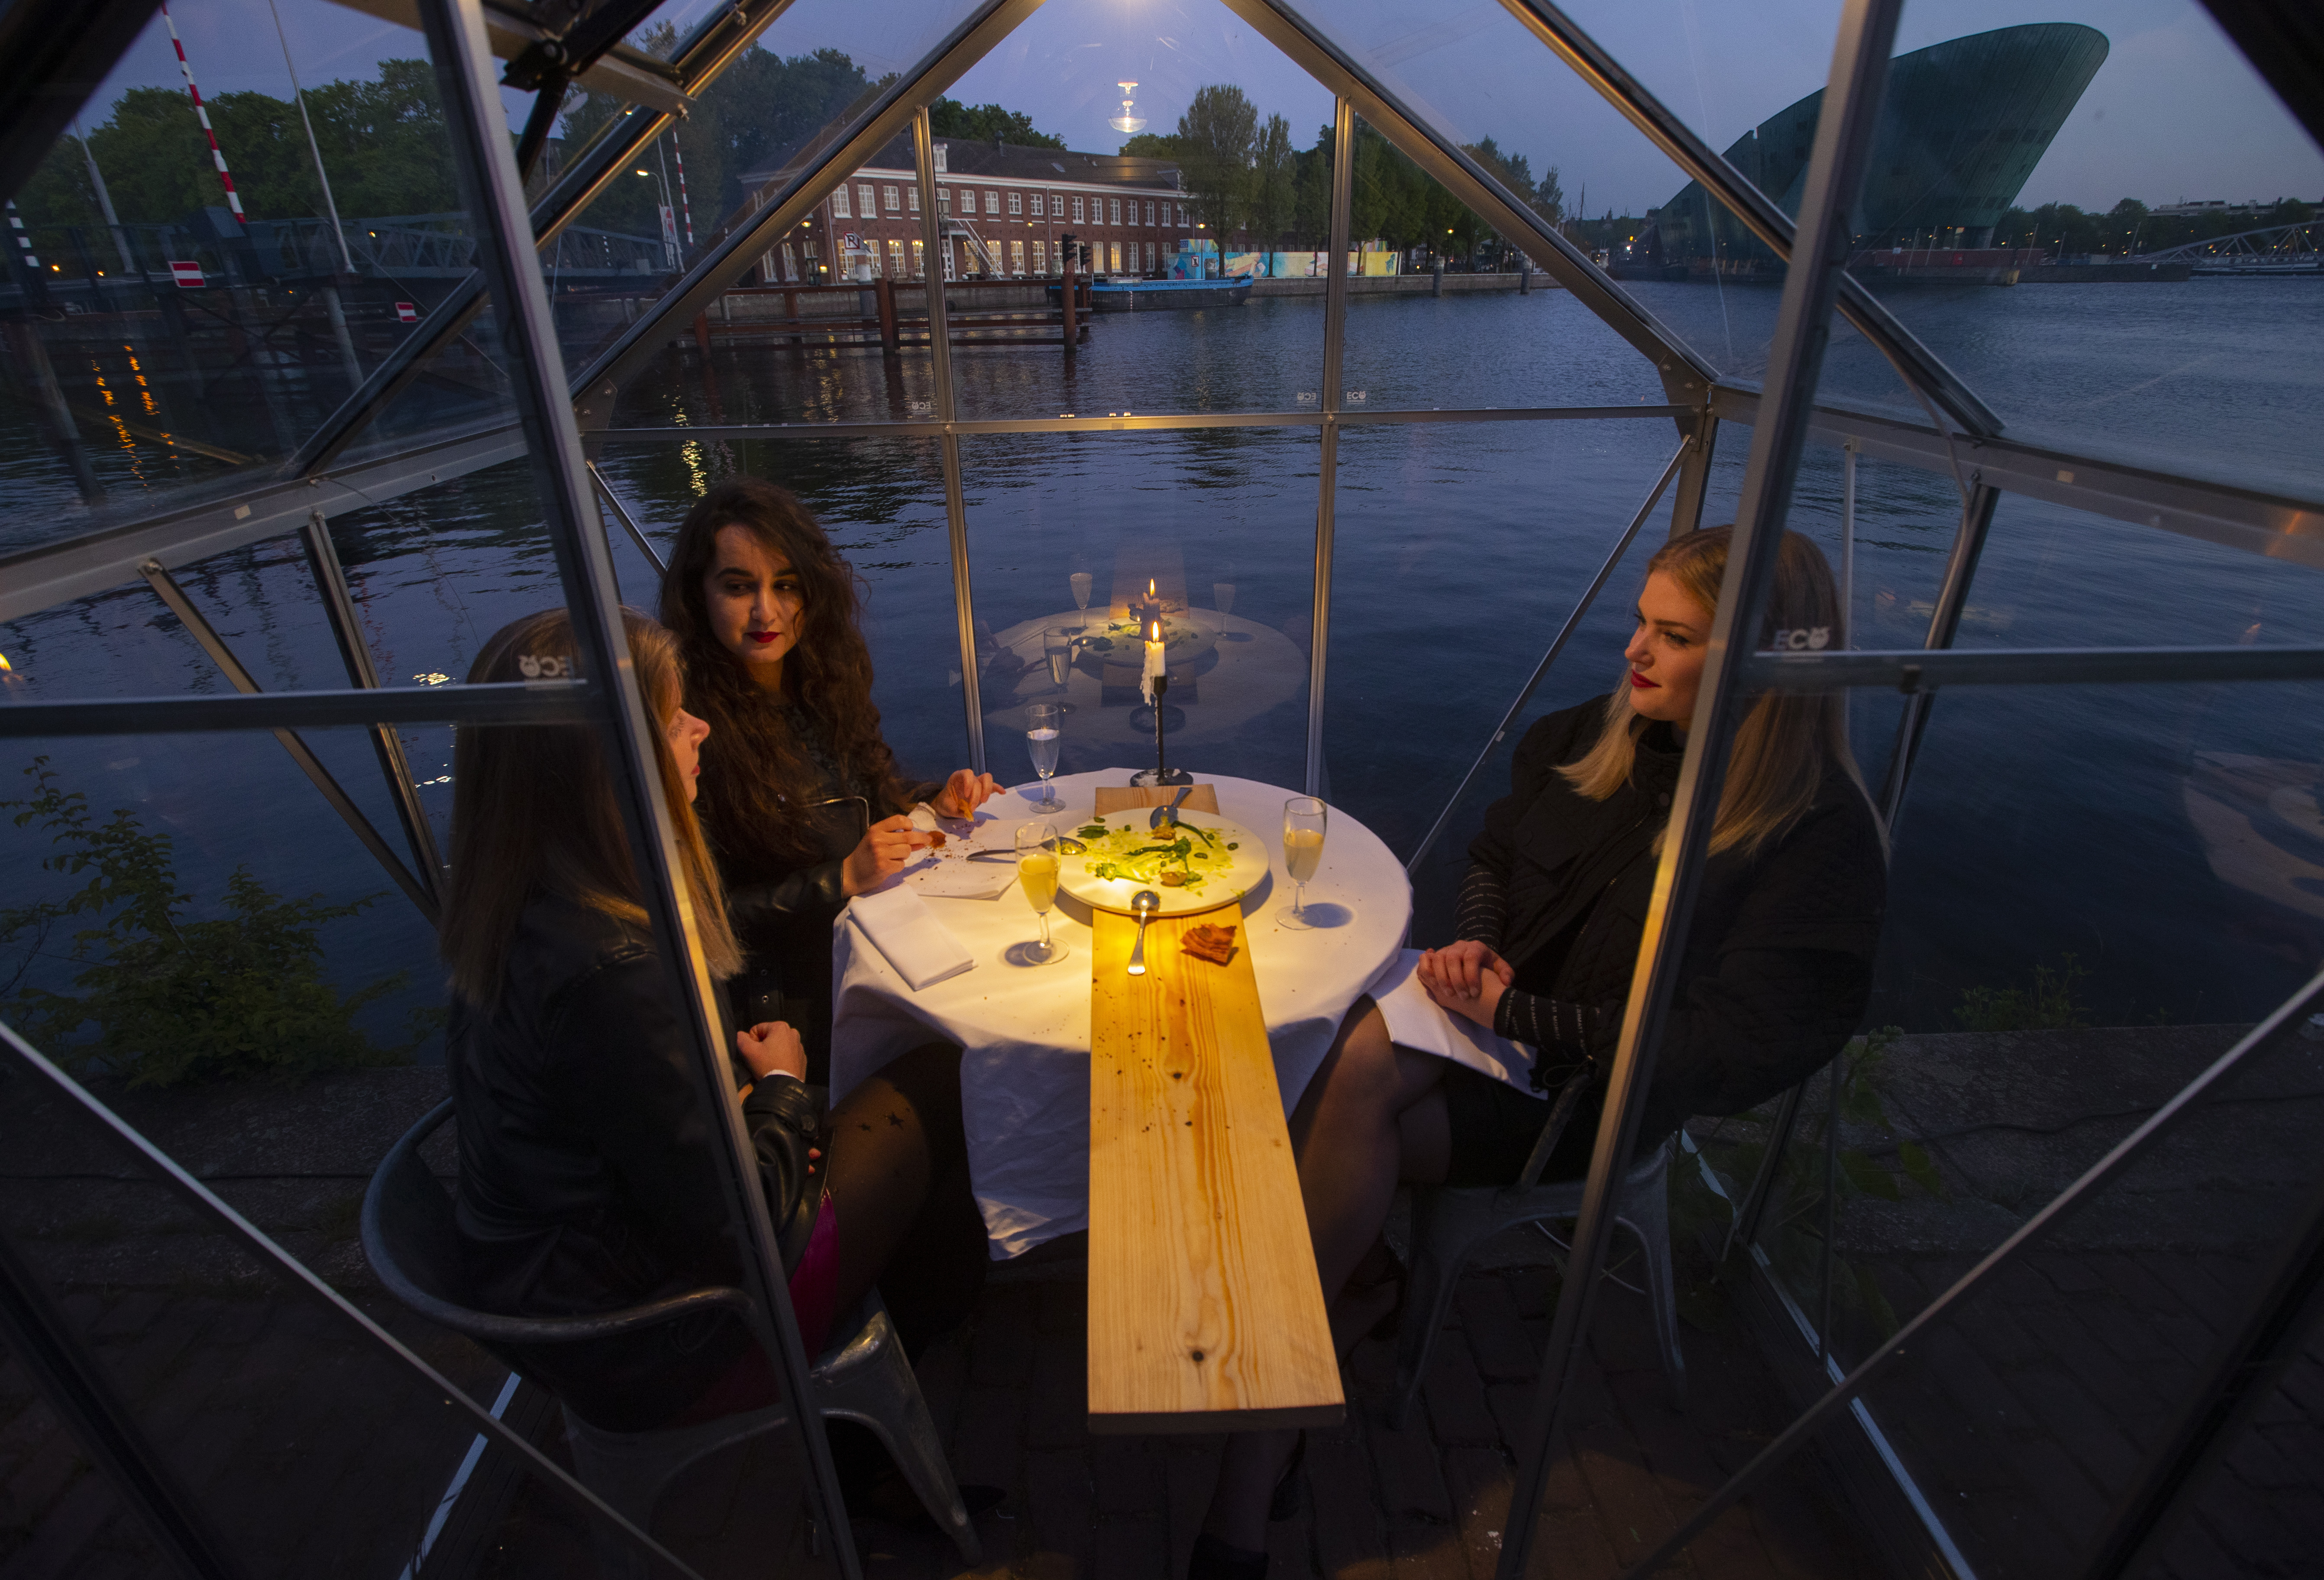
<point>1127,122</point>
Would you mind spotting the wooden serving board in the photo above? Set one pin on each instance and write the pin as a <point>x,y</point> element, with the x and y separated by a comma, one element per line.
<point>1205,1313</point>
<point>1120,798</point>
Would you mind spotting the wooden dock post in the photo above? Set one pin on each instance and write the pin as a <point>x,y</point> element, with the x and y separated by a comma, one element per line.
<point>1066,296</point>
<point>883,292</point>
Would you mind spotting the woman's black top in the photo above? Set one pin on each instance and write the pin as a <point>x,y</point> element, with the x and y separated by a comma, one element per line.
<point>783,914</point>
<point>1777,965</point>
<point>587,1174</point>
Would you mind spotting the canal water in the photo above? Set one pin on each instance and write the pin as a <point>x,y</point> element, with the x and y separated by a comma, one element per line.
<point>2159,849</point>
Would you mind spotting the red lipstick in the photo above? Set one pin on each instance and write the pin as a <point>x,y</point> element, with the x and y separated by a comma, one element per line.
<point>762,637</point>
<point>1639,682</point>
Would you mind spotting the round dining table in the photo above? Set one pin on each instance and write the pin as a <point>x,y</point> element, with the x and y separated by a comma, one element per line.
<point>1024,1030</point>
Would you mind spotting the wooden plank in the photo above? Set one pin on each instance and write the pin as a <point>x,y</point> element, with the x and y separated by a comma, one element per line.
<point>1205,1314</point>
<point>1120,798</point>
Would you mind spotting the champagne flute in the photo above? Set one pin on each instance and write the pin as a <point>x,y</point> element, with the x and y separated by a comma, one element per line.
<point>1304,817</point>
<point>1081,585</point>
<point>1037,875</point>
<point>1057,649</point>
<point>1042,739</point>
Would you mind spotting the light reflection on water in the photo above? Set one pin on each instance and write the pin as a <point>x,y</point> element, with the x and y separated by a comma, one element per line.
<point>2042,823</point>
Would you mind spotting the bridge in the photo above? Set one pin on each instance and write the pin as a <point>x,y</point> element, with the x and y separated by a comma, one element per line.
<point>2276,249</point>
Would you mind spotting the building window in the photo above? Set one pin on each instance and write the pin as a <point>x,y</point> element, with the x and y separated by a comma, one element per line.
<point>1017,257</point>
<point>1149,214</point>
<point>1182,214</point>
<point>1037,205</point>
<point>1116,248</point>
<point>863,191</point>
<point>895,260</point>
<point>839,204</point>
<point>993,202</point>
<point>791,264</point>
<point>890,200</point>
<point>943,199</point>
<point>1077,211</point>
<point>940,157</point>
<point>1149,257</point>
<point>1114,206</point>
<point>1041,255</point>
<point>912,198</point>
<point>1016,202</point>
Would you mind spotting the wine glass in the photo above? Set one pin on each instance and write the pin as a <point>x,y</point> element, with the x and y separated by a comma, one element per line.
<point>1057,649</point>
<point>1304,817</point>
<point>1080,584</point>
<point>1037,875</point>
<point>1047,720</point>
<point>1223,594</point>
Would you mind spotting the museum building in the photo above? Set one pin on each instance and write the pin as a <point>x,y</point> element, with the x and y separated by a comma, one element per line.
<point>1003,211</point>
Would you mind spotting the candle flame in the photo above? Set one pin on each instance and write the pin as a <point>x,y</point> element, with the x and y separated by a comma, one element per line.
<point>5,666</point>
<point>1154,632</point>
<point>1149,587</point>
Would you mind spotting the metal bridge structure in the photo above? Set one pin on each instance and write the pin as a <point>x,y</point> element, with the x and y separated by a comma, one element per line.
<point>2275,249</point>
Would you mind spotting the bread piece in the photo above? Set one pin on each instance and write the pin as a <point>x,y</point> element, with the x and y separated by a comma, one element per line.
<point>1209,942</point>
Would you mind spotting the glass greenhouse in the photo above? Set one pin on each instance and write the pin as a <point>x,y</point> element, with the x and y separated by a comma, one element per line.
<point>1319,455</point>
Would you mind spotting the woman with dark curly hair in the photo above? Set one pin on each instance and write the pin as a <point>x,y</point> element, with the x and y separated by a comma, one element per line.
<point>802,799</point>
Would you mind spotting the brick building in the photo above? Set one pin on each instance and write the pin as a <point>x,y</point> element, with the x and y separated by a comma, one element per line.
<point>1003,212</point>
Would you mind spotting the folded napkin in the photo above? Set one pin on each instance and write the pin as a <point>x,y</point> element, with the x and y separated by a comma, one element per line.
<point>951,875</point>
<point>921,948</point>
<point>1419,1022</point>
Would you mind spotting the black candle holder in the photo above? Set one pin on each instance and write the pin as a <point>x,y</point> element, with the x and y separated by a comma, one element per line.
<point>1161,773</point>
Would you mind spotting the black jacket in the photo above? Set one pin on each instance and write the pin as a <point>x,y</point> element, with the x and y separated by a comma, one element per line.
<point>1777,966</point>
<point>586,1177</point>
<point>783,914</point>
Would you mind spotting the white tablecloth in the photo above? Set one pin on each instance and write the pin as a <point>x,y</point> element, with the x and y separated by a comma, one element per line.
<point>1026,1030</point>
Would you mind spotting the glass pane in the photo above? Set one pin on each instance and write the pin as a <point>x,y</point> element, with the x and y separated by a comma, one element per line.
<point>1484,84</point>
<point>1219,523</point>
<point>1183,152</point>
<point>2130,147</point>
<point>170,352</point>
<point>772,109</point>
<point>881,501</point>
<point>302,1442</point>
<point>1459,553</point>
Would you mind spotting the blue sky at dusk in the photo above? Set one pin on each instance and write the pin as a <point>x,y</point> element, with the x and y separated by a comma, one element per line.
<point>2174,113</point>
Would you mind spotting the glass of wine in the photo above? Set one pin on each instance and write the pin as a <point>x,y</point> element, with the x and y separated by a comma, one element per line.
<point>1081,585</point>
<point>1037,875</point>
<point>1047,725</point>
<point>1057,649</point>
<point>1304,817</point>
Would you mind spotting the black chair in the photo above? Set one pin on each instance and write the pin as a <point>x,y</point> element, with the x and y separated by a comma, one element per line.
<point>413,1245</point>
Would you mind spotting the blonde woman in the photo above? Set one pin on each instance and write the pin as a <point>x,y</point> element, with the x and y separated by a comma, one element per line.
<point>1446,1074</point>
<point>587,1179</point>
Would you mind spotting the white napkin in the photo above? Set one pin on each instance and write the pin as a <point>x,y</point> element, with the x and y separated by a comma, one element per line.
<point>1419,1022</point>
<point>953,876</point>
<point>921,948</point>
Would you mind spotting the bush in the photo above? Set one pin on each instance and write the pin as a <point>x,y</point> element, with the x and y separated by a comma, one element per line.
<point>2048,1005</point>
<point>176,1000</point>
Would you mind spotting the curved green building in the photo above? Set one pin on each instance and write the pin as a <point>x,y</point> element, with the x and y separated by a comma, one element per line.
<point>1963,124</point>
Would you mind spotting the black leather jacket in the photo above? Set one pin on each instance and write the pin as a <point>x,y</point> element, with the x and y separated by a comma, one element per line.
<point>586,1177</point>
<point>1777,966</point>
<point>783,916</point>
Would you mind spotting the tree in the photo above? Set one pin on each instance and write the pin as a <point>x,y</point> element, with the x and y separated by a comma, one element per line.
<point>1274,194</point>
<point>1312,212</point>
<point>1152,145</point>
<point>1549,197</point>
<point>947,117</point>
<point>1217,136</point>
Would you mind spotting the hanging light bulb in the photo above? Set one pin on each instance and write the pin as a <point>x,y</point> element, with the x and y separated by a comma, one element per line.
<point>1127,122</point>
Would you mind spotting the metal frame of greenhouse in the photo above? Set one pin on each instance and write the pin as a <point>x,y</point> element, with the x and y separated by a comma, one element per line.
<point>564,413</point>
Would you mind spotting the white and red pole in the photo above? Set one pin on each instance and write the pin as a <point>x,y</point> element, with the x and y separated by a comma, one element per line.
<point>686,212</point>
<point>233,198</point>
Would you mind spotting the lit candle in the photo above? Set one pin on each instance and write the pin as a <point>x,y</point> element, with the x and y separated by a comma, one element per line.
<point>1153,670</point>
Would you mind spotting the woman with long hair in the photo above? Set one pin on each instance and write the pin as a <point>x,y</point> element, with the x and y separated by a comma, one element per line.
<point>803,802</point>
<point>1445,1075</point>
<point>586,1174</point>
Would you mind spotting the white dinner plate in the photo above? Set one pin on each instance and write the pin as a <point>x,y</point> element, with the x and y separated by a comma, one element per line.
<point>1235,862</point>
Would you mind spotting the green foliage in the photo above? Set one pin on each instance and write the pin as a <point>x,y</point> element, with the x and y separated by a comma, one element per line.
<point>1217,137</point>
<point>2047,1005</point>
<point>383,142</point>
<point>1152,145</point>
<point>176,1000</point>
<point>948,117</point>
<point>2130,225</point>
<point>1274,184</point>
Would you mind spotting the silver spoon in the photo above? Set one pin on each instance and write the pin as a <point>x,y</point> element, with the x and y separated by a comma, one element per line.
<point>1143,904</point>
<point>1169,814</point>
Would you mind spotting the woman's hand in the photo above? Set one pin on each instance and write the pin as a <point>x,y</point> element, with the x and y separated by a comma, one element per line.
<point>772,1048</point>
<point>881,855</point>
<point>964,792</point>
<point>1466,978</point>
